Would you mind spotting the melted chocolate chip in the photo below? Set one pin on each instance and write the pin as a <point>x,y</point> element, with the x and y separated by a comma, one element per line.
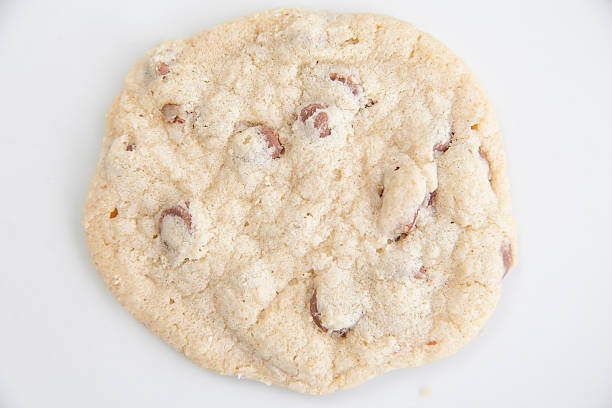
<point>308,110</point>
<point>171,112</point>
<point>320,123</point>
<point>314,312</point>
<point>405,228</point>
<point>272,138</point>
<point>442,147</point>
<point>432,197</point>
<point>370,103</point>
<point>162,68</point>
<point>421,273</point>
<point>347,80</point>
<point>320,120</point>
<point>176,211</point>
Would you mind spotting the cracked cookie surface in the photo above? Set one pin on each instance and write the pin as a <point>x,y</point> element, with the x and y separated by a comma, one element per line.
<point>304,198</point>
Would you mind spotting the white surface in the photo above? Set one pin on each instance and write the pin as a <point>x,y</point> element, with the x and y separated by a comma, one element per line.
<point>65,341</point>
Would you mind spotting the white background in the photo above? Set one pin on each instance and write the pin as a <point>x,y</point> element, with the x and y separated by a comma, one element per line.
<point>65,341</point>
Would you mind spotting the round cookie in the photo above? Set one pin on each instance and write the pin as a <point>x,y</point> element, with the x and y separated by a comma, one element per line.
<point>304,198</point>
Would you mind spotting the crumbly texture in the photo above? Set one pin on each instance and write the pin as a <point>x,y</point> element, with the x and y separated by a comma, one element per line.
<point>304,198</point>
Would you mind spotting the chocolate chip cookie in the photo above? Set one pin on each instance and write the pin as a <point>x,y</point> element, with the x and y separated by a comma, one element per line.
<point>304,198</point>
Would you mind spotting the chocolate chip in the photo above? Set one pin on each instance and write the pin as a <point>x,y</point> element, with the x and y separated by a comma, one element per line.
<point>130,147</point>
<point>432,197</point>
<point>421,273</point>
<point>506,250</point>
<point>349,81</point>
<point>405,228</point>
<point>272,138</point>
<point>314,312</point>
<point>320,123</point>
<point>176,211</point>
<point>309,110</point>
<point>162,68</point>
<point>321,119</point>
<point>171,112</point>
<point>442,147</point>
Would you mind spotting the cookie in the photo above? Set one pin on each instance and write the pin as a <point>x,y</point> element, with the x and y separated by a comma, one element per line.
<point>304,198</point>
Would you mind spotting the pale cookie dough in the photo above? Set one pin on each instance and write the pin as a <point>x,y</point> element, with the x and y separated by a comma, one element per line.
<point>304,198</point>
